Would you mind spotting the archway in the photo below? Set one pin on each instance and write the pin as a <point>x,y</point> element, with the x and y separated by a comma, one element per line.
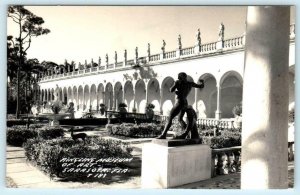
<point>93,96</point>
<point>207,97</point>
<point>80,97</point>
<point>168,98</point>
<point>140,95</point>
<point>100,94</point>
<point>153,91</point>
<point>118,94</point>
<point>231,92</point>
<point>64,96</point>
<point>109,96</point>
<point>75,96</point>
<point>129,95</point>
<point>86,103</point>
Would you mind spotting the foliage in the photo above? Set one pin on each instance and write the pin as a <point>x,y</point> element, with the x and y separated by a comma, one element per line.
<point>122,105</point>
<point>134,130</point>
<point>46,154</point>
<point>56,107</point>
<point>50,133</point>
<point>20,69</point>
<point>18,135</point>
<point>237,110</point>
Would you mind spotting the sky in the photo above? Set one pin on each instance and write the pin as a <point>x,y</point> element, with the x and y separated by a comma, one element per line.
<point>81,33</point>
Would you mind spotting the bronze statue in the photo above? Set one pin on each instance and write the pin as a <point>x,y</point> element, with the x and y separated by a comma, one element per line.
<point>183,88</point>
<point>191,125</point>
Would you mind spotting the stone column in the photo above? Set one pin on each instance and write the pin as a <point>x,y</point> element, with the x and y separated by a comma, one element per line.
<point>265,99</point>
<point>134,107</point>
<point>196,100</point>
<point>218,112</point>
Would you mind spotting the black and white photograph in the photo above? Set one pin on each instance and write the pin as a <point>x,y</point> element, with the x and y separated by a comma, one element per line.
<point>150,97</point>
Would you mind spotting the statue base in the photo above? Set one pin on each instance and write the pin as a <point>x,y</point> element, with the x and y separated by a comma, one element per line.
<point>166,167</point>
<point>176,142</point>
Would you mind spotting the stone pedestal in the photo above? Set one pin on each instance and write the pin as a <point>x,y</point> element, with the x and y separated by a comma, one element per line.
<point>166,167</point>
<point>220,45</point>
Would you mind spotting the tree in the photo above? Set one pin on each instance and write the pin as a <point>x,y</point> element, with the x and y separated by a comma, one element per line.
<point>29,26</point>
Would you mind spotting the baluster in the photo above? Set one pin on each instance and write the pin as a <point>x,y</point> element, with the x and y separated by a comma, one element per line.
<point>222,164</point>
<point>214,165</point>
<point>238,161</point>
<point>231,166</point>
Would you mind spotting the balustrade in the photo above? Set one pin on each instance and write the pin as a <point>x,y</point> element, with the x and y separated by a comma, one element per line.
<point>237,42</point>
<point>226,161</point>
<point>187,51</point>
<point>170,54</point>
<point>234,42</point>
<point>154,57</point>
<point>208,47</point>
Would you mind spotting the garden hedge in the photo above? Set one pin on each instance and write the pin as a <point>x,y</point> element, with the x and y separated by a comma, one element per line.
<point>47,154</point>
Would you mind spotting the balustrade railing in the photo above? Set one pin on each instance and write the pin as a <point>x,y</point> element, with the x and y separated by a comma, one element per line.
<point>209,47</point>
<point>226,160</point>
<point>170,54</point>
<point>188,51</point>
<point>234,42</point>
<point>205,123</point>
<point>205,48</point>
<point>130,63</point>
<point>155,57</point>
<point>110,66</point>
<point>142,116</point>
<point>119,64</point>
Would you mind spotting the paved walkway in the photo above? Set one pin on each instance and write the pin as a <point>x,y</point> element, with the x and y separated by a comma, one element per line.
<point>24,175</point>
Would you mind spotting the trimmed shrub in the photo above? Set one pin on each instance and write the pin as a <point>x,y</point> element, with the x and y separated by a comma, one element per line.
<point>47,154</point>
<point>51,133</point>
<point>17,135</point>
<point>134,130</point>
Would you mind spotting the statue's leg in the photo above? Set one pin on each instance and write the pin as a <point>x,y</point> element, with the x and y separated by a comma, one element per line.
<point>194,131</point>
<point>180,119</point>
<point>174,111</point>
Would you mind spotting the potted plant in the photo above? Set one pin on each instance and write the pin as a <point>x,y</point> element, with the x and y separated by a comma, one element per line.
<point>149,111</point>
<point>237,112</point>
<point>122,110</point>
<point>102,108</point>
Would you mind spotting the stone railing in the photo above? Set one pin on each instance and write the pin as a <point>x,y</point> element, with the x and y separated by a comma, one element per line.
<point>119,64</point>
<point>110,66</point>
<point>187,51</point>
<point>234,42</point>
<point>130,63</point>
<point>94,69</point>
<point>155,57</point>
<point>208,48</point>
<point>226,161</point>
<point>170,54</point>
<point>221,124</point>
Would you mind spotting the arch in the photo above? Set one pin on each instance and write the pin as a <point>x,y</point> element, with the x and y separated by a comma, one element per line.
<point>140,95</point>
<point>168,98</point>
<point>86,98</point>
<point>65,96</point>
<point>43,95</point>
<point>207,97</point>
<point>70,95</point>
<point>75,98</point>
<point>191,96</point>
<point>100,94</point>
<point>60,94</point>
<point>129,95</point>
<point>118,89</point>
<point>93,97</point>
<point>52,95</point>
<point>80,97</point>
<point>231,85</point>
<point>109,96</point>
<point>153,90</point>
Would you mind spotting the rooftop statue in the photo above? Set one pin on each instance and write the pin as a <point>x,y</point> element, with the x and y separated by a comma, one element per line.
<point>221,32</point>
